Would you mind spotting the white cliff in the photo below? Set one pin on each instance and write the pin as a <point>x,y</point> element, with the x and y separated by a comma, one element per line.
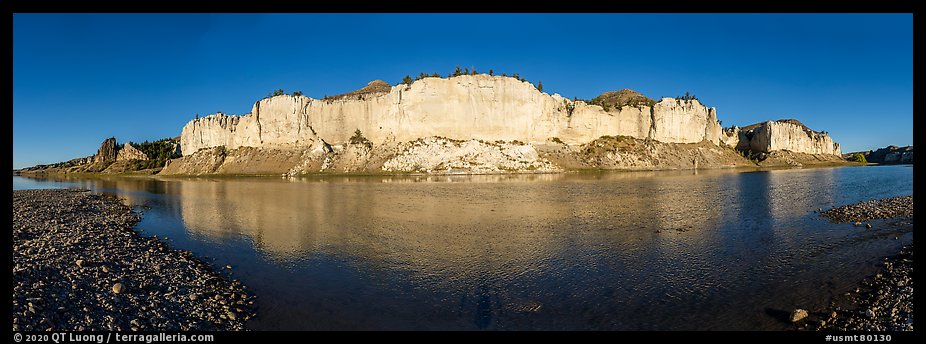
<point>483,124</point>
<point>790,135</point>
<point>469,107</point>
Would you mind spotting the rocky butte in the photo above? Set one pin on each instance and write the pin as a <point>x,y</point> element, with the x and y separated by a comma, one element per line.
<point>480,124</point>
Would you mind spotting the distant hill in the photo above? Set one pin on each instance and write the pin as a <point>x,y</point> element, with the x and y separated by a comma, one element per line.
<point>372,88</point>
<point>887,155</point>
<point>621,98</point>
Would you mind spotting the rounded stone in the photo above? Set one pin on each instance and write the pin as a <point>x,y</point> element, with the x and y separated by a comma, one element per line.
<point>798,315</point>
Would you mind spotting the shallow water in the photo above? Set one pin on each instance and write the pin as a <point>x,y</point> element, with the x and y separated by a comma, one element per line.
<point>715,250</point>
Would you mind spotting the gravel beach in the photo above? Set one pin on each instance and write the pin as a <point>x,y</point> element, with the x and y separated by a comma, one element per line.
<point>872,210</point>
<point>79,265</point>
<point>883,302</point>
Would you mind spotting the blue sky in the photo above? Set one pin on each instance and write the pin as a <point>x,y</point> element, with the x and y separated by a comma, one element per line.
<point>80,78</point>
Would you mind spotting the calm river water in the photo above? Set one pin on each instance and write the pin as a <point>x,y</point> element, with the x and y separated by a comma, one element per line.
<point>716,250</point>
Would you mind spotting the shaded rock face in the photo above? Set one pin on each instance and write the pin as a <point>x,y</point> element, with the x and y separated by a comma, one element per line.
<point>468,107</point>
<point>107,152</point>
<point>175,149</point>
<point>787,135</point>
<point>129,152</point>
<point>891,155</point>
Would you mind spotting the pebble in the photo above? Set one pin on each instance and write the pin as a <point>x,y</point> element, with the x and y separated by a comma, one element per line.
<point>891,289</point>
<point>57,233</point>
<point>798,315</point>
<point>870,210</point>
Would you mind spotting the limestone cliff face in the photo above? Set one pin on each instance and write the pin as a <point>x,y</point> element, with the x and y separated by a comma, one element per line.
<point>129,152</point>
<point>730,136</point>
<point>479,107</point>
<point>784,135</point>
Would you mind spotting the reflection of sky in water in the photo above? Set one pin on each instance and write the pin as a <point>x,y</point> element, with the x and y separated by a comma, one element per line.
<point>640,250</point>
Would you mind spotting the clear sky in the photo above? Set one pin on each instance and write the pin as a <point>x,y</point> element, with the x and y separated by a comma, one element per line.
<point>80,78</point>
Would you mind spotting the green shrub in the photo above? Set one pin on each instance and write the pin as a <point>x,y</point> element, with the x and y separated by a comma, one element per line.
<point>158,152</point>
<point>858,157</point>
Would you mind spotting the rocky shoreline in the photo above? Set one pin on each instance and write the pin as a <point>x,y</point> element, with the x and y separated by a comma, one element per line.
<point>872,210</point>
<point>79,265</point>
<point>883,302</point>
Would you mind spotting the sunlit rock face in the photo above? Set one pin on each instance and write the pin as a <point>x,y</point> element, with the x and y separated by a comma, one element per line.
<point>792,136</point>
<point>129,152</point>
<point>480,107</point>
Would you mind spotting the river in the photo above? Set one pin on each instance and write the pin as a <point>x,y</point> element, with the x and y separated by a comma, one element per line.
<point>682,250</point>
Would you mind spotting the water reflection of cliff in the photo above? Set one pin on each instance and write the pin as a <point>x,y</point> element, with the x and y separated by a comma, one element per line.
<point>613,250</point>
<point>403,224</point>
<point>455,221</point>
<point>456,225</point>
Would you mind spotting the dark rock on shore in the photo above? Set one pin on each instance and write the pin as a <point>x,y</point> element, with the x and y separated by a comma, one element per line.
<point>79,265</point>
<point>870,210</point>
<point>883,302</point>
